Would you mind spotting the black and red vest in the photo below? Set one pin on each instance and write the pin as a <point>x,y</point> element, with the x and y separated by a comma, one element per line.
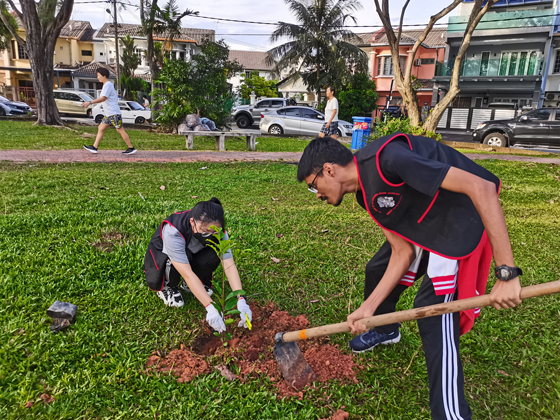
<point>447,224</point>
<point>155,259</point>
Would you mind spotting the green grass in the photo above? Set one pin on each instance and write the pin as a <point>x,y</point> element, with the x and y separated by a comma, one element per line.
<point>23,135</point>
<point>51,217</point>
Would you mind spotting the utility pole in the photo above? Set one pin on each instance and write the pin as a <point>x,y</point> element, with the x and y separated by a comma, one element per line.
<point>116,44</point>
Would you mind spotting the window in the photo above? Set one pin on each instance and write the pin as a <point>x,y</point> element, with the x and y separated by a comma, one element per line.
<point>135,106</point>
<point>87,53</point>
<point>74,97</point>
<point>14,57</point>
<point>484,63</point>
<point>248,73</point>
<point>427,61</point>
<point>539,114</point>
<point>309,113</point>
<point>520,63</point>
<point>557,117</point>
<point>557,62</point>
<point>292,112</point>
<point>182,55</point>
<point>263,104</point>
<point>386,69</point>
<point>22,54</point>
<point>278,103</point>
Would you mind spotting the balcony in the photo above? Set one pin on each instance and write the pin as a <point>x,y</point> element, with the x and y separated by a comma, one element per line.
<point>516,63</point>
<point>520,20</point>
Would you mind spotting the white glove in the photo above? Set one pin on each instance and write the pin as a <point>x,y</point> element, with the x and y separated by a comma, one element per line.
<point>245,310</point>
<point>215,319</point>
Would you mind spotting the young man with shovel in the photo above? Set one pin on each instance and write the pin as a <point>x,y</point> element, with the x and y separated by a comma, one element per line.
<point>442,219</point>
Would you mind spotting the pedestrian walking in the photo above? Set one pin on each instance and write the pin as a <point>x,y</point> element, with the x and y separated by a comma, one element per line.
<point>179,249</point>
<point>442,219</point>
<point>146,103</point>
<point>330,127</point>
<point>112,113</point>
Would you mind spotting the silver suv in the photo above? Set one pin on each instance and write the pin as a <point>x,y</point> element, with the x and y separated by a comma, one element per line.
<point>247,115</point>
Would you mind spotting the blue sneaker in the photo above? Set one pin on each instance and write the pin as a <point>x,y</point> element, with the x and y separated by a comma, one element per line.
<point>372,338</point>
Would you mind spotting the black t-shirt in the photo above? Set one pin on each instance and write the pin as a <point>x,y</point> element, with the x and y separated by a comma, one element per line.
<point>400,164</point>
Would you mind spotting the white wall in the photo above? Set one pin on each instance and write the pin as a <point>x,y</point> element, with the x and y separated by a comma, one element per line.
<point>237,80</point>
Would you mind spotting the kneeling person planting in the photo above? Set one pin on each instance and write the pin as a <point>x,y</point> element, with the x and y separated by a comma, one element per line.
<point>179,248</point>
<point>442,219</point>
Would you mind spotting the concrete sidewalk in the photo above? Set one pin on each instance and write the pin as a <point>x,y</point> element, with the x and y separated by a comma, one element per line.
<point>109,156</point>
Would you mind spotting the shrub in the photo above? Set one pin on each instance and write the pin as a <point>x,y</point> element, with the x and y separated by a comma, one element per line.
<point>392,125</point>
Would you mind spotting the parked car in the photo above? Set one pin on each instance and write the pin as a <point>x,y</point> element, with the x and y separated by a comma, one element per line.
<point>538,127</point>
<point>502,105</point>
<point>132,112</point>
<point>8,107</point>
<point>299,120</point>
<point>70,102</point>
<point>393,111</point>
<point>247,115</point>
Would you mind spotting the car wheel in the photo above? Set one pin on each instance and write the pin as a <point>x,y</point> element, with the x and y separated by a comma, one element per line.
<point>496,140</point>
<point>140,120</point>
<point>275,130</point>
<point>243,121</point>
<point>88,113</point>
<point>98,118</point>
<point>338,132</point>
<point>2,112</point>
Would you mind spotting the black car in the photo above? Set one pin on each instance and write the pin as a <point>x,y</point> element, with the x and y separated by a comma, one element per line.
<point>393,111</point>
<point>538,127</point>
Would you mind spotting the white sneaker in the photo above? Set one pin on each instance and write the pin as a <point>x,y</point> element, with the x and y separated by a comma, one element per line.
<point>171,297</point>
<point>184,286</point>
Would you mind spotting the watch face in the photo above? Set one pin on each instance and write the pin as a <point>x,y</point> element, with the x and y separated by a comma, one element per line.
<point>504,273</point>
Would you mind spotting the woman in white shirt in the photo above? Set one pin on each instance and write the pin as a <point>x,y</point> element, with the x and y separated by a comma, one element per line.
<point>330,127</point>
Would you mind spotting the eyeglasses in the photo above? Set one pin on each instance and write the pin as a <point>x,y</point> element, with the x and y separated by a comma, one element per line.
<point>204,234</point>
<point>312,187</point>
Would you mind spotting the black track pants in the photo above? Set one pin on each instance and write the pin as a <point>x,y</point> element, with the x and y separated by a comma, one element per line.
<point>440,339</point>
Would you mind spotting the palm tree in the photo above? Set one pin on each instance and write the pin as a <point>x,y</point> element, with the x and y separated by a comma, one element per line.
<point>319,48</point>
<point>130,60</point>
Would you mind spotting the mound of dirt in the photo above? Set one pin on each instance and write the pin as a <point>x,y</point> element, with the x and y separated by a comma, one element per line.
<point>339,415</point>
<point>252,353</point>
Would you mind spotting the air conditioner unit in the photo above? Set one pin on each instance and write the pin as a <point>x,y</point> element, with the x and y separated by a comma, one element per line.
<point>551,96</point>
<point>111,60</point>
<point>418,62</point>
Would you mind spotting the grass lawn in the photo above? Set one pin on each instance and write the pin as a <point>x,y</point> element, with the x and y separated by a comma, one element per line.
<point>23,135</point>
<point>53,217</point>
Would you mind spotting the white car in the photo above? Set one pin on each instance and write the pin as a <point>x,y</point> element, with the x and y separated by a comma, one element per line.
<point>299,120</point>
<point>132,113</point>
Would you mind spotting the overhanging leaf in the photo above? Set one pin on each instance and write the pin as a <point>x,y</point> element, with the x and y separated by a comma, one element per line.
<point>235,293</point>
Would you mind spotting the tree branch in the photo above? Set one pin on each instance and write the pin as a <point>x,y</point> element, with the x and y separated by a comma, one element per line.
<point>426,31</point>
<point>15,9</point>
<point>63,16</point>
<point>13,31</point>
<point>401,21</point>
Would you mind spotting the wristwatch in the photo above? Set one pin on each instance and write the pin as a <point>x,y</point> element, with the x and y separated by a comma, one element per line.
<point>506,273</point>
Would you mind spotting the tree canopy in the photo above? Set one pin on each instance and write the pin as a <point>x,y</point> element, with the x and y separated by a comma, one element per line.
<point>257,84</point>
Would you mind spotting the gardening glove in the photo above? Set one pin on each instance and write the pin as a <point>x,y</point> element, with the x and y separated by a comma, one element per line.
<point>245,310</point>
<point>215,319</point>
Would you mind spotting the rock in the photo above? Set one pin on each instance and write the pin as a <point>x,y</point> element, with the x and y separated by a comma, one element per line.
<point>59,324</point>
<point>226,373</point>
<point>63,310</point>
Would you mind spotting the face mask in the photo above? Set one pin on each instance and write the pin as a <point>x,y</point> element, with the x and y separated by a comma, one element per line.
<point>205,240</point>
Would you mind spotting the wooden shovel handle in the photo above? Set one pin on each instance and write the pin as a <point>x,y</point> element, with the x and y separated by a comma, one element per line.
<point>418,313</point>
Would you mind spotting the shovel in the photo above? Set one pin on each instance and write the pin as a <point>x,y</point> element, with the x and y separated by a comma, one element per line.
<point>297,371</point>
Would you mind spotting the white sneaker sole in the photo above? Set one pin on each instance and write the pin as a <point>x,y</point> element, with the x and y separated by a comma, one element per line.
<point>91,151</point>
<point>172,304</point>
<point>385,343</point>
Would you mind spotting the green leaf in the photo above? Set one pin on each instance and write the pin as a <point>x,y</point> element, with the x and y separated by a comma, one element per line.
<point>230,304</point>
<point>233,312</point>
<point>217,334</point>
<point>229,321</point>
<point>218,288</point>
<point>229,336</point>
<point>235,293</point>
<point>218,307</point>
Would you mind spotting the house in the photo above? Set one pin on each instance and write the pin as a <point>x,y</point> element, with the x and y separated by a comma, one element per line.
<point>380,63</point>
<point>74,47</point>
<point>551,95</point>
<point>250,61</point>
<point>184,45</point>
<point>508,57</point>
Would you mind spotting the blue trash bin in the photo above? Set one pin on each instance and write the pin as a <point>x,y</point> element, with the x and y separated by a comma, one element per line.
<point>360,132</point>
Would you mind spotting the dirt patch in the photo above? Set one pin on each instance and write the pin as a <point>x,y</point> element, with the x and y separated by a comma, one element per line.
<point>250,353</point>
<point>108,241</point>
<point>181,363</point>
<point>339,415</point>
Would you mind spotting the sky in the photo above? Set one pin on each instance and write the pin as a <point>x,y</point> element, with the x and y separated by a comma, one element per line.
<point>272,11</point>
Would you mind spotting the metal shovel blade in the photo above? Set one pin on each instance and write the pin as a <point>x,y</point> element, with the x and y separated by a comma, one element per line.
<point>295,369</point>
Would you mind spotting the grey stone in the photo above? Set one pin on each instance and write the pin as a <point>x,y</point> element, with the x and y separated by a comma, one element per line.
<point>63,310</point>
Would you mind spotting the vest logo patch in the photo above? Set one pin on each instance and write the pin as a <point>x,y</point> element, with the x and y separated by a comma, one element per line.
<point>385,202</point>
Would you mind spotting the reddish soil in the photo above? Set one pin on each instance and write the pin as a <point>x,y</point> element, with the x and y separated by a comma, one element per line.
<point>339,415</point>
<point>252,353</point>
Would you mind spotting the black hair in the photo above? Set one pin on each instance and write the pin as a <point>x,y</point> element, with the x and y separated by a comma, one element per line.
<point>320,151</point>
<point>210,211</point>
<point>331,87</point>
<point>103,72</point>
